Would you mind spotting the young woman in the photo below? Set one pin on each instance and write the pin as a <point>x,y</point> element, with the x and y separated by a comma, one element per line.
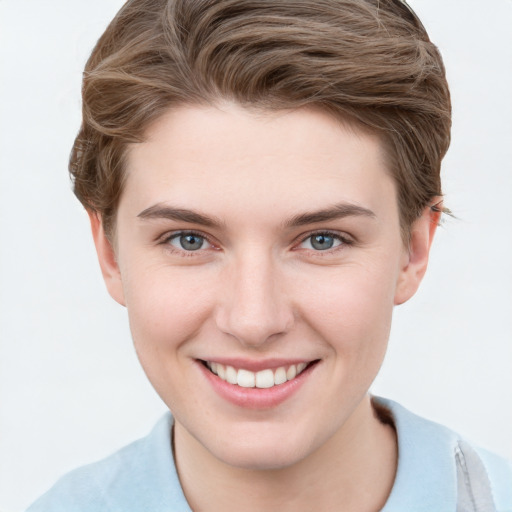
<point>262,180</point>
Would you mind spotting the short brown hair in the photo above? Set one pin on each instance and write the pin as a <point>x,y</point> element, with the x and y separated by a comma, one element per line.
<point>369,62</point>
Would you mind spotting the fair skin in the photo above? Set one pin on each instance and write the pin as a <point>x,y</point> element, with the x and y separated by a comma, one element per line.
<point>262,242</point>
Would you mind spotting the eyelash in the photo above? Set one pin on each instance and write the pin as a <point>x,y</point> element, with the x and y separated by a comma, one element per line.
<point>166,239</point>
<point>344,242</point>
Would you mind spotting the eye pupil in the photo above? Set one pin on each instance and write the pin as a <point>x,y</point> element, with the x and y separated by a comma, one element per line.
<point>191,242</point>
<point>322,242</point>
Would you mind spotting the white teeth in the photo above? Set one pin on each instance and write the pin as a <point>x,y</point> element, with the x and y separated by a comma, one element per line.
<point>231,375</point>
<point>265,379</point>
<point>221,371</point>
<point>280,376</point>
<point>262,379</point>
<point>291,372</point>
<point>245,379</point>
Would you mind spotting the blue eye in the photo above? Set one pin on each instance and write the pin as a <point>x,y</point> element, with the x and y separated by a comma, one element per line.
<point>321,242</point>
<point>188,241</point>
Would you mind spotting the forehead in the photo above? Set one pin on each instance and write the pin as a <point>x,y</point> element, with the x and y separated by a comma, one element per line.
<point>227,157</point>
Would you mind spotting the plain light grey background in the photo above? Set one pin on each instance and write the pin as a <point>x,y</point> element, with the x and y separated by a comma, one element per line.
<point>71,390</point>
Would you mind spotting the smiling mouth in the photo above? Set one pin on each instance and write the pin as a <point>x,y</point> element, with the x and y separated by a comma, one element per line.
<point>262,379</point>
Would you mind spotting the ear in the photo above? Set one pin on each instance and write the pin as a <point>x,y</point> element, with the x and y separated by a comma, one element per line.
<point>416,254</point>
<point>107,259</point>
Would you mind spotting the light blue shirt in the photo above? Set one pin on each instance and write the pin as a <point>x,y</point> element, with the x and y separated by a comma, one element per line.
<point>142,476</point>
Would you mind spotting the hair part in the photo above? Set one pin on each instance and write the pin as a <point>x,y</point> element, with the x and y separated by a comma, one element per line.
<point>368,62</point>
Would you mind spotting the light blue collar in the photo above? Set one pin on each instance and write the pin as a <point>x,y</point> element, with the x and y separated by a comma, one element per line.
<point>426,478</point>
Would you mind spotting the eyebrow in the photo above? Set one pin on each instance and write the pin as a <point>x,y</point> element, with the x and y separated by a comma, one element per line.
<point>160,211</point>
<point>338,211</point>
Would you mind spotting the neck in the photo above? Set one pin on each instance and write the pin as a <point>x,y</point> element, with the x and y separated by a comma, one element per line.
<point>353,471</point>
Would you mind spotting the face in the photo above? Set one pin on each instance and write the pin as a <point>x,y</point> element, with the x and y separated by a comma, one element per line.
<point>259,257</point>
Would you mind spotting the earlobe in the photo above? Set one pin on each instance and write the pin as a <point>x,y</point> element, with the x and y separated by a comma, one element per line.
<point>107,259</point>
<point>416,258</point>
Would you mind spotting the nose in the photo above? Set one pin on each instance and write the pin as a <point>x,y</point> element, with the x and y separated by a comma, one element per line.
<point>254,308</point>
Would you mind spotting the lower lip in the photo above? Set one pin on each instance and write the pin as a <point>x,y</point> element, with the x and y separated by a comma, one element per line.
<point>256,398</point>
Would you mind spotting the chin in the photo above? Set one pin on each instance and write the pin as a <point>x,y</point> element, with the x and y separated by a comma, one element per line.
<point>259,459</point>
<point>267,451</point>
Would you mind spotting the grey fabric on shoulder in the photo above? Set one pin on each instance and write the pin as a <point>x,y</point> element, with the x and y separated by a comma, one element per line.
<point>474,492</point>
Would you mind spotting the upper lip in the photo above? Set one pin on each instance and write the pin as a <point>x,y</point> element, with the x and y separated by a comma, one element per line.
<point>256,365</point>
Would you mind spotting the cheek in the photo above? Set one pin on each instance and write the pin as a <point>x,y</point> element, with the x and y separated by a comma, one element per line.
<point>355,299</point>
<point>165,313</point>
<point>352,309</point>
<point>165,308</point>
